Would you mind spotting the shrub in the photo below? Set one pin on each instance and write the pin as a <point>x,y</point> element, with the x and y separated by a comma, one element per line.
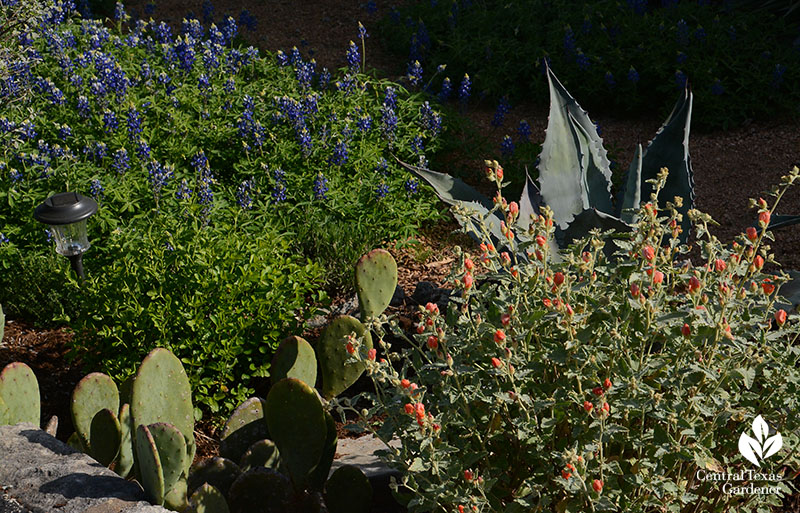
<point>599,384</point>
<point>249,166</point>
<point>625,56</point>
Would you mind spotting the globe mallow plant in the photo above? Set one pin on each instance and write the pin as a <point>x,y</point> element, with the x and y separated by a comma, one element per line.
<point>597,383</point>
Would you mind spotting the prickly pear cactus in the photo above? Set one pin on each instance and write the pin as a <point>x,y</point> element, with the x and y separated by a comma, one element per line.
<point>246,425</point>
<point>297,425</point>
<point>149,465</point>
<point>348,491</point>
<point>176,498</point>
<point>2,323</point>
<point>19,395</point>
<point>161,393</point>
<point>320,473</point>
<point>105,436</point>
<point>376,281</point>
<point>171,448</point>
<point>266,487</point>
<point>92,394</point>
<point>218,472</point>
<point>332,352</point>
<point>125,460</point>
<point>294,358</point>
<point>263,453</point>
<point>207,499</point>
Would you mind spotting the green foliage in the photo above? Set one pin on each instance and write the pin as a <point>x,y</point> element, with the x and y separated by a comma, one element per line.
<point>599,384</point>
<point>730,54</point>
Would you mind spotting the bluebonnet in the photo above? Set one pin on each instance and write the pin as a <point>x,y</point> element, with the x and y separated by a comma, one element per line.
<point>158,176</point>
<point>191,27</point>
<point>415,73</point>
<point>324,79</point>
<point>311,104</point>
<point>184,50</point>
<point>6,126</point>
<point>447,89</point>
<point>353,57</point>
<point>417,145</point>
<point>281,57</point>
<point>390,99</point>
<point>682,32</point>
<point>304,72</point>
<point>229,86</point>
<point>610,82</point>
<point>110,122</point>
<point>633,75</point>
<point>203,82</point>
<point>204,180</point>
<point>49,235</point>
<point>346,85</point>
<point>243,195</point>
<point>524,130</point>
<point>119,12</point>
<point>569,40</point>
<point>134,123</point>
<point>121,161</point>
<point>247,20</point>
<point>3,238</point>
<point>582,60</point>
<point>430,120</point>
<point>320,187</point>
<point>716,88</point>
<point>279,190</point>
<point>184,192</point>
<point>216,36</point>
<point>15,175</point>
<point>28,130</point>
<point>507,146</point>
<point>364,123</point>
<point>145,72</point>
<point>340,153</point>
<point>388,122</point>
<point>381,191</point>
<point>382,167</point>
<point>64,132</point>
<point>96,188</point>
<point>412,186</point>
<point>143,150</point>
<point>229,29</point>
<point>680,79</point>
<point>464,89</point>
<point>362,31</point>
<point>294,55</point>
<point>732,33</point>
<point>163,32</point>
<point>503,107</point>
<point>304,139</point>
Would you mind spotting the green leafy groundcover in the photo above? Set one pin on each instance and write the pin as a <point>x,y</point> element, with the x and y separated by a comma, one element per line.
<point>625,56</point>
<point>232,187</point>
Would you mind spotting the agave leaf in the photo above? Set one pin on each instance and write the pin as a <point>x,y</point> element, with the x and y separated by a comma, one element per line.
<point>633,189</point>
<point>454,191</point>
<point>595,180</point>
<point>529,203</point>
<point>782,221</point>
<point>670,149</point>
<point>590,219</point>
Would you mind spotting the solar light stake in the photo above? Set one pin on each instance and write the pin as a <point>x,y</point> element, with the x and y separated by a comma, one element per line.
<point>66,213</point>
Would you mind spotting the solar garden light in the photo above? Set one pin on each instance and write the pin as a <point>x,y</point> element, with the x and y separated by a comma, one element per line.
<point>66,213</point>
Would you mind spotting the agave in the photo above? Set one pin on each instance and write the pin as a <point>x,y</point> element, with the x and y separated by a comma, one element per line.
<point>575,176</point>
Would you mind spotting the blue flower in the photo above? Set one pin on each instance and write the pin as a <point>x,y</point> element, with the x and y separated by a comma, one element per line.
<point>203,82</point>
<point>183,192</point>
<point>304,139</point>
<point>524,130</point>
<point>340,154</point>
<point>464,89</point>
<point>503,107</point>
<point>582,60</point>
<point>388,122</point>
<point>96,189</point>
<point>119,12</point>
<point>110,121</point>
<point>134,123</point>
<point>569,40</point>
<point>364,123</point>
<point>362,31</point>
<point>633,75</point>
<point>121,161</point>
<point>382,167</point>
<point>230,86</point>
<point>243,195</point>
<point>381,191</point>
<point>3,238</point>
<point>320,187</point>
<point>390,99</point>
<point>353,58</point>
<point>415,73</point>
<point>158,176</point>
<point>64,132</point>
<point>417,145</point>
<point>412,186</point>
<point>507,146</point>
<point>143,150</point>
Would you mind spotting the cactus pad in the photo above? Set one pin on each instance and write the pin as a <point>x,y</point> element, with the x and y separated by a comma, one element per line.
<point>74,441</point>
<point>161,393</point>
<point>332,352</point>
<point>149,464</point>
<point>207,499</point>
<point>348,491</point>
<point>19,393</point>
<point>245,427</point>
<point>218,472</point>
<point>92,394</point>
<point>294,359</point>
<point>266,487</point>
<point>376,281</point>
<point>104,437</point>
<point>176,499</point>
<point>320,473</point>
<point>263,453</point>
<point>297,425</point>
<point>125,460</point>
<point>171,448</point>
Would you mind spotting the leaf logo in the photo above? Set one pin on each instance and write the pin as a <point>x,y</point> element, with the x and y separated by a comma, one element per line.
<point>762,446</point>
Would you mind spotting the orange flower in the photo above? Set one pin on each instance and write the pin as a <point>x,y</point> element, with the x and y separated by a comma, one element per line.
<point>649,253</point>
<point>433,342</point>
<point>607,384</point>
<point>597,485</point>
<point>558,278</point>
<point>768,287</point>
<point>780,317</point>
<point>719,265</point>
<point>587,406</point>
<point>496,363</point>
<point>499,336</point>
<point>686,330</point>
<point>763,218</point>
<point>752,234</point>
